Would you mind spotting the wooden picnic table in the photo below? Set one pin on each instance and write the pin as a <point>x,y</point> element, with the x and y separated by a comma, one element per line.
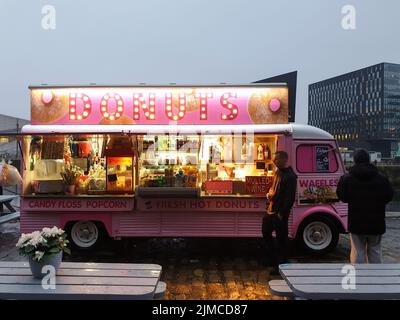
<point>13,213</point>
<point>6,200</point>
<point>78,280</point>
<point>324,281</point>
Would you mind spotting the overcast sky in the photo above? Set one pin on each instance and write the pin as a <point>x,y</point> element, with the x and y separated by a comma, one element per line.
<point>188,42</point>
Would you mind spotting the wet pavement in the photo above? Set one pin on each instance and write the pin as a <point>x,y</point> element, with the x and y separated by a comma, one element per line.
<point>193,268</point>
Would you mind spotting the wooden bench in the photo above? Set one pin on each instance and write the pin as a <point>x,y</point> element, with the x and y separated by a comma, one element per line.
<point>160,290</point>
<point>324,280</point>
<point>280,288</point>
<point>76,280</point>
<point>13,214</point>
<point>6,200</point>
<point>8,217</point>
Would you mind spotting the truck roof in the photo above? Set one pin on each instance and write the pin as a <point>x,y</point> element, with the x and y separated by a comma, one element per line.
<point>298,131</point>
<point>170,85</point>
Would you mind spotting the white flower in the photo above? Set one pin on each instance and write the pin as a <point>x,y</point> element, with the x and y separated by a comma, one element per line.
<point>38,255</point>
<point>53,232</point>
<point>37,239</point>
<point>23,239</point>
<point>41,239</point>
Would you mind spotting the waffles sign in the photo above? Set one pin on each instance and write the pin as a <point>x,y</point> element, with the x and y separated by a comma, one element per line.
<point>317,190</point>
<point>160,105</point>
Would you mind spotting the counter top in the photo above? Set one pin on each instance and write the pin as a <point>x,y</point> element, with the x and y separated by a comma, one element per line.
<point>246,196</point>
<point>79,196</point>
<point>242,196</point>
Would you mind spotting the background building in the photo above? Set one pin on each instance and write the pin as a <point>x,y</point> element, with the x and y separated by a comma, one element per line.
<point>360,108</point>
<point>8,145</point>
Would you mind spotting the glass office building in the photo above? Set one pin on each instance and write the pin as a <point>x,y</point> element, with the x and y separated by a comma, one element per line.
<point>360,108</point>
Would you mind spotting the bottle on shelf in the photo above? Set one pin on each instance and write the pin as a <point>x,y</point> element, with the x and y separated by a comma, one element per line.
<point>161,143</point>
<point>210,158</point>
<point>260,152</point>
<point>267,153</point>
<point>218,155</point>
<point>243,154</point>
<point>172,143</point>
<point>157,143</point>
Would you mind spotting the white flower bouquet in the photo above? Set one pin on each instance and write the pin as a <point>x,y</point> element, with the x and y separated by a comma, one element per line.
<point>42,245</point>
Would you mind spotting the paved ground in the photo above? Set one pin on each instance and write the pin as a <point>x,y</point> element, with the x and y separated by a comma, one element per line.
<point>204,268</point>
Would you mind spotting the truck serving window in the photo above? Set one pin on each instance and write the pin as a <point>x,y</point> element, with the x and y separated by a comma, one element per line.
<point>206,165</point>
<point>91,163</point>
<point>312,158</point>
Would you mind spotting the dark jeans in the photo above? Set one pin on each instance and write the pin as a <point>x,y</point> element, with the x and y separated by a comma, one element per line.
<point>276,252</point>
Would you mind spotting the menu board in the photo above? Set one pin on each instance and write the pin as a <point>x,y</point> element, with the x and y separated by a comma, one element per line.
<point>258,184</point>
<point>322,158</point>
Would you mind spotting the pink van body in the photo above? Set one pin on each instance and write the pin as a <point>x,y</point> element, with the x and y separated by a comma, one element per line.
<point>133,216</point>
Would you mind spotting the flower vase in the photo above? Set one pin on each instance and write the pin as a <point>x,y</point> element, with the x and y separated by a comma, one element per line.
<point>70,190</point>
<point>37,266</point>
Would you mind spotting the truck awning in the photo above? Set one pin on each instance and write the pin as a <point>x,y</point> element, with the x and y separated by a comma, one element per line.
<point>298,131</point>
<point>154,129</point>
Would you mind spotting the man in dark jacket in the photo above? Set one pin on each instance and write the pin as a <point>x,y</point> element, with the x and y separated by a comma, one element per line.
<point>281,198</point>
<point>367,191</point>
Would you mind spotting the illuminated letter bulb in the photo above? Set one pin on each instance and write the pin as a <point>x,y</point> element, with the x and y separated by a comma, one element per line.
<point>181,107</point>
<point>228,105</point>
<point>203,105</point>
<point>73,106</point>
<point>119,103</point>
<point>140,103</point>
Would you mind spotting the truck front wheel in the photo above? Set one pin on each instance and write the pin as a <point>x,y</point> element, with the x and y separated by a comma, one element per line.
<point>85,234</point>
<point>318,235</point>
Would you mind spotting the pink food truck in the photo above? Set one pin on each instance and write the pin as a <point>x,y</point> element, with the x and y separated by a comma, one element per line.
<point>173,161</point>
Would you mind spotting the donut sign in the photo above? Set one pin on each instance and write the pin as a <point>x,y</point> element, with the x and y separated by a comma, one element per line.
<point>256,104</point>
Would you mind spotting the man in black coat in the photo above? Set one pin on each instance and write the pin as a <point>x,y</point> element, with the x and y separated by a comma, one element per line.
<point>367,191</point>
<point>280,201</point>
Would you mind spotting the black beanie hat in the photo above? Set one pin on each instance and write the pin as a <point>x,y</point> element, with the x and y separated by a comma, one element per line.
<point>361,156</point>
